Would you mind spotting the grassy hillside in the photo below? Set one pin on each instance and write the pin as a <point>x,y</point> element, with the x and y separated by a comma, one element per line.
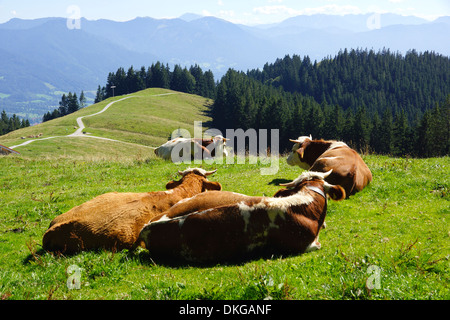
<point>146,119</point>
<point>398,225</point>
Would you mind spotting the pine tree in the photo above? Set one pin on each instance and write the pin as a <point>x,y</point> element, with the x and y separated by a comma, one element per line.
<point>401,135</point>
<point>188,82</point>
<point>82,100</point>
<point>210,85</point>
<point>176,82</point>
<point>73,105</point>
<point>99,96</point>
<point>376,141</point>
<point>361,130</point>
<point>386,134</point>
<point>4,123</point>
<point>63,105</point>
<point>160,76</point>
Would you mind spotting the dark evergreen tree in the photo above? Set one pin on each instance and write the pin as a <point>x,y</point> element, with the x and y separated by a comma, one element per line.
<point>386,133</point>
<point>401,135</point>
<point>361,131</point>
<point>82,103</point>
<point>99,96</point>
<point>8,124</point>
<point>63,105</point>
<point>72,104</point>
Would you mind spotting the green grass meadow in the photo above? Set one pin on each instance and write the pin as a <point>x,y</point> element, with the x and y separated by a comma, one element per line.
<point>397,226</point>
<point>389,242</point>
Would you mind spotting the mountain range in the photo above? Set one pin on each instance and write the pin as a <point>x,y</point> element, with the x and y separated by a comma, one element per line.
<point>43,58</point>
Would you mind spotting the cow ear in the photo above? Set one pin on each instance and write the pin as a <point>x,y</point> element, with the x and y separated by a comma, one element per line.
<point>172,184</point>
<point>211,185</point>
<point>337,193</point>
<point>301,152</point>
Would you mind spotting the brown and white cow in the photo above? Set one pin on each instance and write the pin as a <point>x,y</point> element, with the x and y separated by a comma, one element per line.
<point>113,221</point>
<point>288,223</point>
<point>349,169</point>
<point>180,149</point>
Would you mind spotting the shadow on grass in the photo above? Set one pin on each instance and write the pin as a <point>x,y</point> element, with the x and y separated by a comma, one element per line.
<point>277,182</point>
<point>144,257</point>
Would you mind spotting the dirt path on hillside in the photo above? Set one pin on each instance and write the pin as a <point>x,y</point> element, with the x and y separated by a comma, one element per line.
<point>81,126</point>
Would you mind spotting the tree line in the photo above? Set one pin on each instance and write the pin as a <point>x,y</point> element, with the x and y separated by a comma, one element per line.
<point>363,78</point>
<point>68,104</point>
<point>383,102</point>
<point>246,103</point>
<point>192,80</point>
<point>8,124</point>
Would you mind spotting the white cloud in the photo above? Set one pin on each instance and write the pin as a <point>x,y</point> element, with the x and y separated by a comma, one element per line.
<point>226,13</point>
<point>220,2</point>
<point>327,9</point>
<point>274,10</point>
<point>206,13</point>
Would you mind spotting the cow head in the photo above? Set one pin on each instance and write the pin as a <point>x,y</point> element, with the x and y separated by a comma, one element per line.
<point>297,154</point>
<point>219,143</point>
<point>195,174</point>
<point>335,192</point>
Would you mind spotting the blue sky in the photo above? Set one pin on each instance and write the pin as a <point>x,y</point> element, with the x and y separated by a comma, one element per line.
<point>238,11</point>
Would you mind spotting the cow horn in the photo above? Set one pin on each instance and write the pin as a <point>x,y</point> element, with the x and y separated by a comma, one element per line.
<point>326,174</point>
<point>197,170</point>
<point>301,139</point>
<point>208,173</point>
<point>288,185</point>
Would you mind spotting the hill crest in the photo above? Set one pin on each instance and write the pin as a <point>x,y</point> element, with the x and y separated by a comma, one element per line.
<point>139,121</point>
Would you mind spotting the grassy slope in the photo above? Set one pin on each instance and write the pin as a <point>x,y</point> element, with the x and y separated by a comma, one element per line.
<point>146,120</point>
<point>400,223</point>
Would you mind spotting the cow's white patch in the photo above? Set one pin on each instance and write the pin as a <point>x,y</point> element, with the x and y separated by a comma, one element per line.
<point>309,175</point>
<point>276,207</point>
<point>337,144</point>
<point>169,191</point>
<point>182,219</point>
<point>328,158</point>
<point>245,213</point>
<point>278,204</point>
<point>163,218</point>
<point>315,245</point>
<point>273,214</point>
<point>282,204</point>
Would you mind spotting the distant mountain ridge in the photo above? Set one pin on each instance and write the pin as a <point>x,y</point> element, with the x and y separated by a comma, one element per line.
<point>43,58</point>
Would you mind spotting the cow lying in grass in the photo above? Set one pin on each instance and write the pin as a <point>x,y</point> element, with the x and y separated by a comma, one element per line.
<point>113,221</point>
<point>219,227</point>
<point>181,149</point>
<point>349,169</point>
